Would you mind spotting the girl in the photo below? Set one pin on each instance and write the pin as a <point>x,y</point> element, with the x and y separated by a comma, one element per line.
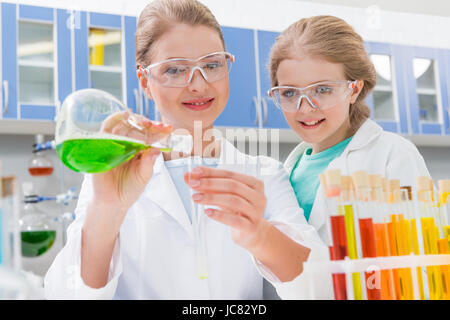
<point>133,237</point>
<point>321,74</point>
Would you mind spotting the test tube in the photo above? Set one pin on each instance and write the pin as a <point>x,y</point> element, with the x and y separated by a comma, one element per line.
<point>430,234</point>
<point>337,241</point>
<point>409,243</point>
<point>365,211</point>
<point>379,197</point>
<point>444,242</point>
<point>346,203</point>
<point>198,226</point>
<point>397,238</point>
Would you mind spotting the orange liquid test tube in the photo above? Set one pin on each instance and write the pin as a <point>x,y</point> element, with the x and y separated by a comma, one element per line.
<point>366,210</point>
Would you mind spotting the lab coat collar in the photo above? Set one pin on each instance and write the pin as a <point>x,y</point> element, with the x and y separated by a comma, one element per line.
<point>368,131</point>
<point>162,191</point>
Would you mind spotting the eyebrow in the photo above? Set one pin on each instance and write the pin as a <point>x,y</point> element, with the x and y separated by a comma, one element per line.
<point>291,85</point>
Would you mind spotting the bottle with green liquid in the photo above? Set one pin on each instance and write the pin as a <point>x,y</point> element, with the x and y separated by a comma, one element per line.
<point>37,230</point>
<point>95,133</point>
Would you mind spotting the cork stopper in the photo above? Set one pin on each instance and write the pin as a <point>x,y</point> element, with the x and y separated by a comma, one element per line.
<point>444,186</point>
<point>385,183</point>
<point>360,179</point>
<point>347,183</point>
<point>331,180</point>
<point>423,184</point>
<point>394,190</point>
<point>333,177</point>
<point>375,181</point>
<point>408,192</point>
<point>393,185</point>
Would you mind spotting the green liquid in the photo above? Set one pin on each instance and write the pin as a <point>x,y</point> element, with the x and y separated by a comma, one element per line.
<point>36,243</point>
<point>97,155</point>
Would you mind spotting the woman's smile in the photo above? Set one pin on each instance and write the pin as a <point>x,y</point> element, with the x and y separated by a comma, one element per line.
<point>198,104</point>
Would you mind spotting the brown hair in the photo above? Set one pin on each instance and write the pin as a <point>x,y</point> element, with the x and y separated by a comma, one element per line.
<point>160,15</point>
<point>334,40</point>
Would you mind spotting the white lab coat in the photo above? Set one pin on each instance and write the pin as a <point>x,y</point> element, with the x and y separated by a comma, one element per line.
<point>373,150</point>
<point>154,256</point>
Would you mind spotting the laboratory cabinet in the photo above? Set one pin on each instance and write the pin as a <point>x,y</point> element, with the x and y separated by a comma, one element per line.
<point>36,72</point>
<point>47,53</point>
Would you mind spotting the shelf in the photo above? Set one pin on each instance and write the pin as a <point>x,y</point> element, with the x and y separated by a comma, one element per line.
<point>27,127</point>
<point>98,68</point>
<point>289,136</point>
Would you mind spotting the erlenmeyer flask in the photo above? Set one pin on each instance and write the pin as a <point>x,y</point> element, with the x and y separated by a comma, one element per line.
<point>95,132</point>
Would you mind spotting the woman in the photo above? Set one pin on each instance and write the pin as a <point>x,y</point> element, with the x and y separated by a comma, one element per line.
<point>320,75</point>
<point>133,237</point>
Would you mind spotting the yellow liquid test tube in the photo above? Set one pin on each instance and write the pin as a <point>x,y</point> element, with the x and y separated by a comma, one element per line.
<point>444,242</point>
<point>430,235</point>
<point>399,242</point>
<point>347,207</point>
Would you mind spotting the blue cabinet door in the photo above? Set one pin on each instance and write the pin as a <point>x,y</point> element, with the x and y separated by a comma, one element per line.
<point>36,72</point>
<point>9,60</point>
<point>240,110</point>
<point>388,99</point>
<point>446,104</point>
<point>426,88</point>
<point>272,117</point>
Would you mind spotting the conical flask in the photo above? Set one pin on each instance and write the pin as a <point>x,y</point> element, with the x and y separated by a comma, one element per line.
<point>95,133</point>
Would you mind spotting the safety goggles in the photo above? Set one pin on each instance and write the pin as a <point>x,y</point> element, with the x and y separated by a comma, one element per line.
<point>321,95</point>
<point>178,72</point>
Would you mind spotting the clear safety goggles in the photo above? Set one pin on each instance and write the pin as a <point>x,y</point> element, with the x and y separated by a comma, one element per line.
<point>178,72</point>
<point>321,95</point>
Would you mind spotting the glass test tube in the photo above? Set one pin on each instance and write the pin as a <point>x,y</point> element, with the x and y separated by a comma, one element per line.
<point>444,241</point>
<point>398,236</point>
<point>409,236</point>
<point>430,234</point>
<point>337,241</point>
<point>346,204</point>
<point>198,226</point>
<point>365,211</point>
<point>378,196</point>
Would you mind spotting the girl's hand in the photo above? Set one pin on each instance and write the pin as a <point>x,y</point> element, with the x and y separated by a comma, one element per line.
<point>240,198</point>
<point>120,187</point>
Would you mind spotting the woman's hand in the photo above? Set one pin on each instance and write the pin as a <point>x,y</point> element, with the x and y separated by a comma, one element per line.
<point>121,187</point>
<point>241,201</point>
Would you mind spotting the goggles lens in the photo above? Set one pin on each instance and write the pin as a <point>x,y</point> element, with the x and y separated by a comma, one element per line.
<point>179,72</point>
<point>323,95</point>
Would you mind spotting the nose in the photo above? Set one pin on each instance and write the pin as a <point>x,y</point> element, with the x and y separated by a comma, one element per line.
<point>305,104</point>
<point>197,81</point>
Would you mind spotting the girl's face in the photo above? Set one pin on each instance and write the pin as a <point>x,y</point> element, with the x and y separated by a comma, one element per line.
<point>200,100</point>
<point>320,128</point>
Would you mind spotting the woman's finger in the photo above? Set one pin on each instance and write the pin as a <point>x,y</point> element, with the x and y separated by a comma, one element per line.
<point>226,201</point>
<point>221,185</point>
<point>203,172</point>
<point>229,218</point>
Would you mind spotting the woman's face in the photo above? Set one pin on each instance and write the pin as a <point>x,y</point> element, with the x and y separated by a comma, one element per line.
<point>200,100</point>
<point>321,128</point>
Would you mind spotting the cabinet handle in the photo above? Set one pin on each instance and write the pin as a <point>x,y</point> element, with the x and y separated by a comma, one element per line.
<point>138,101</point>
<point>258,112</point>
<point>264,101</point>
<point>6,96</point>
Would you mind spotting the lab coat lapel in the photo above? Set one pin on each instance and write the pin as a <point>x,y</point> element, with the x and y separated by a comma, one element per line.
<point>162,191</point>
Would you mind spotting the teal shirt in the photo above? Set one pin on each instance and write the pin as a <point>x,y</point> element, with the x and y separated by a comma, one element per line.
<point>305,175</point>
